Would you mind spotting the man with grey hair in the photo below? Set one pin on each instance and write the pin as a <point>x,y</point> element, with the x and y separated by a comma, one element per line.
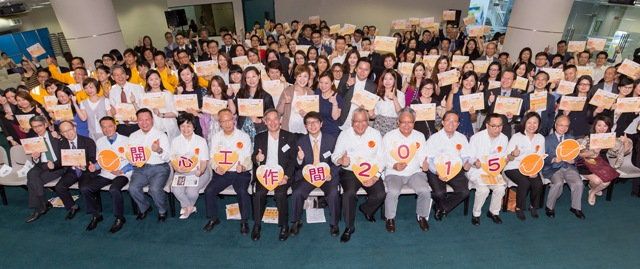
<point>404,162</point>
<point>47,167</point>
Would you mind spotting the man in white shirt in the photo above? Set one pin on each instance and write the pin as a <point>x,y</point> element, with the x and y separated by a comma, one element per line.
<point>47,167</point>
<point>154,170</point>
<point>405,153</point>
<point>238,175</point>
<point>124,92</point>
<point>453,149</point>
<point>359,147</point>
<point>117,178</point>
<point>488,145</point>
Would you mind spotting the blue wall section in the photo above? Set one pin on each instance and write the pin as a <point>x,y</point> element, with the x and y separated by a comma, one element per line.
<point>16,44</point>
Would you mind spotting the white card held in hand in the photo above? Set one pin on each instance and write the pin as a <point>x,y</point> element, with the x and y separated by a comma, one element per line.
<point>474,100</point>
<point>365,99</point>
<point>250,107</point>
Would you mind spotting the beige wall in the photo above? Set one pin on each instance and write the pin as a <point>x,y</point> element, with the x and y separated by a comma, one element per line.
<point>365,12</point>
<point>237,9</point>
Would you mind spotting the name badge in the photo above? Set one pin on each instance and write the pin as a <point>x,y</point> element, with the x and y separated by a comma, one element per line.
<point>285,148</point>
<point>326,154</point>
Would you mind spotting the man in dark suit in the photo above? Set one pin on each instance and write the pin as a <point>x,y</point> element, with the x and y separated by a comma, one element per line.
<point>315,147</point>
<point>75,173</point>
<point>506,81</point>
<point>47,168</point>
<point>271,148</point>
<point>608,82</point>
<point>349,84</point>
<point>227,43</point>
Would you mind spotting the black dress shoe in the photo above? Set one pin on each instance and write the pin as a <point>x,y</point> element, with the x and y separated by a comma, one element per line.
<point>346,236</point>
<point>72,213</point>
<point>578,213</point>
<point>34,216</point>
<point>520,215</point>
<point>295,228</point>
<point>284,233</point>
<point>255,234</point>
<point>439,214</point>
<point>210,224</point>
<point>495,218</point>
<point>144,214</point>
<point>244,228</point>
<point>475,221</point>
<point>162,217</point>
<point>390,224</point>
<point>370,218</point>
<point>334,230</point>
<point>423,223</point>
<point>534,213</point>
<point>94,222</point>
<point>117,225</point>
<point>549,212</point>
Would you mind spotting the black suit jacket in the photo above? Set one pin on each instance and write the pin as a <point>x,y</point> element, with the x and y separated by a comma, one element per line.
<point>286,159</point>
<point>327,144</point>
<point>347,94</point>
<point>506,129</point>
<point>56,145</point>
<point>85,143</point>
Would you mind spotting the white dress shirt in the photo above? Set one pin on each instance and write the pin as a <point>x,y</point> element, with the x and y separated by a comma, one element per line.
<point>272,150</point>
<point>393,140</point>
<point>360,148</point>
<point>140,138</point>
<point>103,144</point>
<point>238,141</point>
<point>526,147</point>
<point>440,144</point>
<point>385,107</point>
<point>181,146</point>
<point>481,146</point>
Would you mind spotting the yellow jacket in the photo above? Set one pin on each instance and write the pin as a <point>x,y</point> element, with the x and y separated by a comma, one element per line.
<point>38,93</point>
<point>135,77</point>
<point>169,79</point>
<point>66,78</point>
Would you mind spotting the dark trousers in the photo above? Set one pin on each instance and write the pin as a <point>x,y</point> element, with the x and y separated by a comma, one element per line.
<point>240,183</point>
<point>67,180</point>
<point>90,187</point>
<point>448,201</point>
<point>37,177</point>
<point>127,129</point>
<point>260,202</point>
<point>350,185</point>
<point>301,190</point>
<point>525,184</point>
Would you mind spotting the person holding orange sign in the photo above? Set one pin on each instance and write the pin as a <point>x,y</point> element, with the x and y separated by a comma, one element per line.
<point>359,153</point>
<point>559,167</point>
<point>448,150</point>
<point>230,150</point>
<point>523,143</point>
<point>115,170</point>
<point>405,152</point>
<point>489,148</point>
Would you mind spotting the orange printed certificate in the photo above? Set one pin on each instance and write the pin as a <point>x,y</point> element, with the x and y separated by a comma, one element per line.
<point>347,29</point>
<point>480,66</point>
<point>603,99</point>
<point>448,15</point>
<point>125,112</point>
<point>538,101</point>
<point>23,120</point>
<point>34,144</point>
<point>576,46</point>
<point>213,106</point>
<point>448,77</point>
<point>273,87</point>
<point>469,20</point>
<point>596,44</point>
<point>520,83</point>
<point>365,99</point>
<point>584,71</point>
<point>385,44</point>
<point>430,60</point>
<point>206,68</point>
<point>602,141</point>
<point>424,112</point>
<point>50,102</point>
<point>242,61</point>
<point>399,24</point>
<point>572,103</point>
<point>62,112</point>
<point>304,48</point>
<point>153,100</point>
<point>630,68</point>
<point>334,29</point>
<point>475,30</point>
<point>474,100</point>
<point>307,103</point>
<point>36,50</point>
<point>555,74</point>
<point>250,107</point>
<point>426,22</point>
<point>405,68</point>
<point>506,105</point>
<point>565,87</point>
<point>314,20</point>
<point>459,60</point>
<point>414,21</point>
<point>628,104</point>
<point>185,101</point>
<point>73,157</point>
<point>494,84</point>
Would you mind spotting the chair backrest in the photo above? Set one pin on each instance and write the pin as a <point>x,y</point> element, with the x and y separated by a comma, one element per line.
<point>3,156</point>
<point>18,157</point>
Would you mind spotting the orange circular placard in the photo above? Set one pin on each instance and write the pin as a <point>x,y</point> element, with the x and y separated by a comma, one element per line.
<point>108,160</point>
<point>532,164</point>
<point>568,150</point>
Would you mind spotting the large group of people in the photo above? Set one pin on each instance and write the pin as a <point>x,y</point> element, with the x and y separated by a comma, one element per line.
<point>382,148</point>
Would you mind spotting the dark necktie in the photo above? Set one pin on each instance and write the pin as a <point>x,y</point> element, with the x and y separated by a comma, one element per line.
<point>76,170</point>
